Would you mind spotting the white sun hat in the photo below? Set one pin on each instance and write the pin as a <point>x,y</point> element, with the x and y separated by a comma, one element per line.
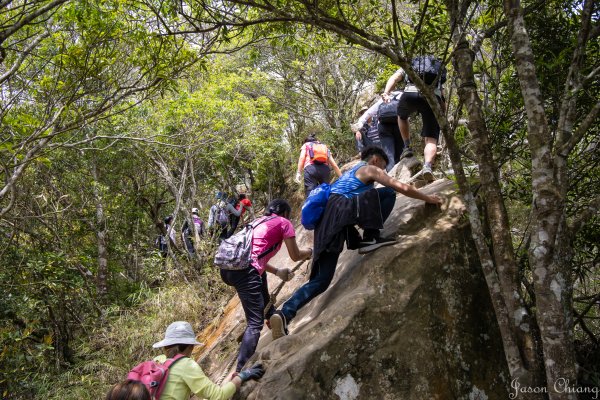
<point>179,332</point>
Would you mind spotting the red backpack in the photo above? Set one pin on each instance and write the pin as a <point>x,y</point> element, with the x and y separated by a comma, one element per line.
<point>153,374</point>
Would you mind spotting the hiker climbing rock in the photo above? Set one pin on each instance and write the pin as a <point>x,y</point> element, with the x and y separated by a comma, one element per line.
<point>268,233</point>
<point>243,203</point>
<point>353,201</point>
<point>218,216</point>
<point>433,73</point>
<point>316,162</point>
<point>186,376</point>
<point>379,127</point>
<point>367,133</point>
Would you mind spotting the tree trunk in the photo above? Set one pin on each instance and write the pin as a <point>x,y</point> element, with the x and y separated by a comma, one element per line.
<point>551,284</point>
<point>190,161</point>
<point>505,264</point>
<point>100,230</point>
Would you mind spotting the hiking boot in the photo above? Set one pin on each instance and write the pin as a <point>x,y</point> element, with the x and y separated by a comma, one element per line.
<point>427,173</point>
<point>406,152</point>
<point>367,246</point>
<point>278,325</point>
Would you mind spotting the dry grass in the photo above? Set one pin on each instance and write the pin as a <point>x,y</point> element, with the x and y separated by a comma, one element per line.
<point>113,348</point>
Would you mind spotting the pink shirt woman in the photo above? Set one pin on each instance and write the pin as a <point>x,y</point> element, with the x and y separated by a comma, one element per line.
<point>251,283</point>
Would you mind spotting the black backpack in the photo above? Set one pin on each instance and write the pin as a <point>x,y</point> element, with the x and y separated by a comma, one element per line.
<point>372,131</point>
<point>387,113</point>
<point>428,68</point>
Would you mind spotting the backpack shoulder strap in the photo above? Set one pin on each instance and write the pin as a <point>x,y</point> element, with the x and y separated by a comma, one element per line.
<point>169,363</point>
<point>311,150</point>
<point>163,382</point>
<point>270,249</point>
<point>254,223</point>
<point>267,251</point>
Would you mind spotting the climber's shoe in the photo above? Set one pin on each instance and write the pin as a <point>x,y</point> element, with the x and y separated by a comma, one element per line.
<point>278,325</point>
<point>367,246</point>
<point>407,152</point>
<point>427,174</point>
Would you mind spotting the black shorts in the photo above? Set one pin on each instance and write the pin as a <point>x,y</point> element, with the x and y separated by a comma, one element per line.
<point>314,175</point>
<point>411,102</point>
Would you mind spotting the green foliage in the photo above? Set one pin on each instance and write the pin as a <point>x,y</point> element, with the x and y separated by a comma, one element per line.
<point>553,30</point>
<point>121,117</point>
<point>127,340</point>
<point>36,315</point>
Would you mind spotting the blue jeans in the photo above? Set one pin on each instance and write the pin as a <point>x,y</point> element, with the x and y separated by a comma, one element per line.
<point>387,144</point>
<point>391,143</point>
<point>324,268</point>
<point>320,278</point>
<point>253,292</point>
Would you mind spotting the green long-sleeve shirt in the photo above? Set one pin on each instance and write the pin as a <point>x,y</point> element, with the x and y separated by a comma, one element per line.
<point>186,377</point>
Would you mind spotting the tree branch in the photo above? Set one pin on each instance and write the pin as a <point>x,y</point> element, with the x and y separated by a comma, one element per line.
<point>488,33</point>
<point>584,216</point>
<point>574,81</point>
<point>22,57</point>
<point>581,131</point>
<point>27,19</point>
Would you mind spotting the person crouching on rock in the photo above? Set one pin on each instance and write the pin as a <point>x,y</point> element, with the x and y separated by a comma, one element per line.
<point>353,201</point>
<point>251,283</point>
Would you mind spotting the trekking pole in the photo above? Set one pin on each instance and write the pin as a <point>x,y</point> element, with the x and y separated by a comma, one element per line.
<point>273,296</point>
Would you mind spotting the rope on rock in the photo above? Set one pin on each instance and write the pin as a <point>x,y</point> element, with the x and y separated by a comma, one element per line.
<point>227,368</point>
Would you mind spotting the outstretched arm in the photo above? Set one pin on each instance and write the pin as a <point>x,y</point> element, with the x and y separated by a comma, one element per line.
<point>232,210</point>
<point>371,173</point>
<point>334,165</point>
<point>295,253</point>
<point>285,274</point>
<point>391,82</point>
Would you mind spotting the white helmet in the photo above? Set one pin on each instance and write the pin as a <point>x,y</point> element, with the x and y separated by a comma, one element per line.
<point>194,210</point>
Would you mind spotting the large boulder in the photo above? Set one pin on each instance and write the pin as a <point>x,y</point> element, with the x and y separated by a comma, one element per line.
<point>409,321</point>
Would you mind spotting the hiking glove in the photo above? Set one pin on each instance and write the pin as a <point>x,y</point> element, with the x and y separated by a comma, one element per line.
<point>256,372</point>
<point>297,177</point>
<point>285,274</point>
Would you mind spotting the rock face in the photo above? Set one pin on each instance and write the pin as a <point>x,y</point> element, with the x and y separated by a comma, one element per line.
<point>409,321</point>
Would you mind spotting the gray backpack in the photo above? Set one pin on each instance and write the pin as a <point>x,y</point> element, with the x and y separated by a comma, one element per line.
<point>234,253</point>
